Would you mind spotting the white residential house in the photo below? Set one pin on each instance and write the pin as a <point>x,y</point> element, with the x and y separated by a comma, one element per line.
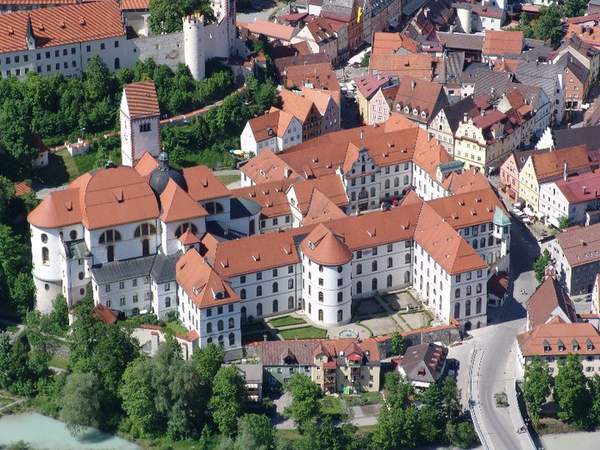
<point>275,130</point>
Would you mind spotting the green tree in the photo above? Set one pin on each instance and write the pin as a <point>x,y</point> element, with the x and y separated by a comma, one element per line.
<point>574,8</point>
<point>397,428</point>
<point>461,434</point>
<point>166,15</point>
<point>537,387</point>
<point>104,350</point>
<point>364,62</point>
<point>548,26</point>
<point>255,432</point>
<point>571,393</point>
<point>563,222</point>
<point>7,194</point>
<point>540,264</point>
<point>324,435</point>
<point>228,398</point>
<point>397,344</point>
<point>305,405</point>
<point>137,395</point>
<point>399,392</point>
<point>81,405</point>
<point>207,361</point>
<point>594,384</point>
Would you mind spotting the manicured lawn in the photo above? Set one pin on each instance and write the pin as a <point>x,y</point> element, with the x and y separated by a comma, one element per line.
<point>59,361</point>
<point>365,398</point>
<point>308,332</point>
<point>285,321</point>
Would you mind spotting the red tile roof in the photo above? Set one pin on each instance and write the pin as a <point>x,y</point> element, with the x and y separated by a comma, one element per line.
<point>368,85</point>
<point>304,351</point>
<point>272,123</point>
<point>548,297</point>
<point>581,188</point>
<point>61,25</point>
<point>269,29</point>
<point>321,209</point>
<point>270,196</point>
<point>203,285</point>
<point>323,247</point>
<point>146,164</point>
<point>142,100</point>
<point>177,205</point>
<point>203,184</point>
<point>114,196</point>
<point>135,5</point>
<point>318,76</point>
<point>389,43</point>
<point>22,189</point>
<point>502,42</point>
<point>546,340</point>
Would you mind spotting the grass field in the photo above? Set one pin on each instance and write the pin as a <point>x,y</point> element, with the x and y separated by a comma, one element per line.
<point>226,179</point>
<point>365,398</point>
<point>333,406</point>
<point>285,321</point>
<point>59,361</point>
<point>308,332</point>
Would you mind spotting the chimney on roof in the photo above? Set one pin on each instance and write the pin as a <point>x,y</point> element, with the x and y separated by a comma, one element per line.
<point>465,117</point>
<point>362,134</point>
<point>413,84</point>
<point>565,171</point>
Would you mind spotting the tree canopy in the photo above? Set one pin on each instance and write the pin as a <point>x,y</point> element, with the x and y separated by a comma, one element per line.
<point>537,387</point>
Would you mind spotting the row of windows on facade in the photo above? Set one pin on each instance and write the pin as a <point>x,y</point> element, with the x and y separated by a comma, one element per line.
<point>274,308</point>
<point>263,223</point>
<point>340,314</point>
<point>478,306</point>
<point>65,65</point>
<point>134,283</point>
<point>374,264</point>
<point>220,325</point>
<point>57,53</point>
<point>490,242</point>
<point>274,289</point>
<point>275,272</point>
<point>220,339</point>
<point>135,299</point>
<point>374,286</point>
<point>374,250</point>
<point>72,235</point>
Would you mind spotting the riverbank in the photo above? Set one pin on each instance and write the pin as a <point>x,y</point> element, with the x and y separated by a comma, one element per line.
<point>42,432</point>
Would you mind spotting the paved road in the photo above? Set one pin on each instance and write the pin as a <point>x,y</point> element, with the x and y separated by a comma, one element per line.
<point>494,364</point>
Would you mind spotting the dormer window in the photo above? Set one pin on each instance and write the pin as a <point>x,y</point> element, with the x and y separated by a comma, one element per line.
<point>546,346</point>
<point>561,346</point>
<point>575,345</point>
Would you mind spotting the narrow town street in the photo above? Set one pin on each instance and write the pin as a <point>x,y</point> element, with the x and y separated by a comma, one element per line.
<point>488,361</point>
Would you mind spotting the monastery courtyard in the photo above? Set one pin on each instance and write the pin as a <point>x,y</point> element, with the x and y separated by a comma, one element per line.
<point>400,311</point>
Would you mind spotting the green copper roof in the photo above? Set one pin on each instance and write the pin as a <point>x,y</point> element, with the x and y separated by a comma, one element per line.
<point>500,218</point>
